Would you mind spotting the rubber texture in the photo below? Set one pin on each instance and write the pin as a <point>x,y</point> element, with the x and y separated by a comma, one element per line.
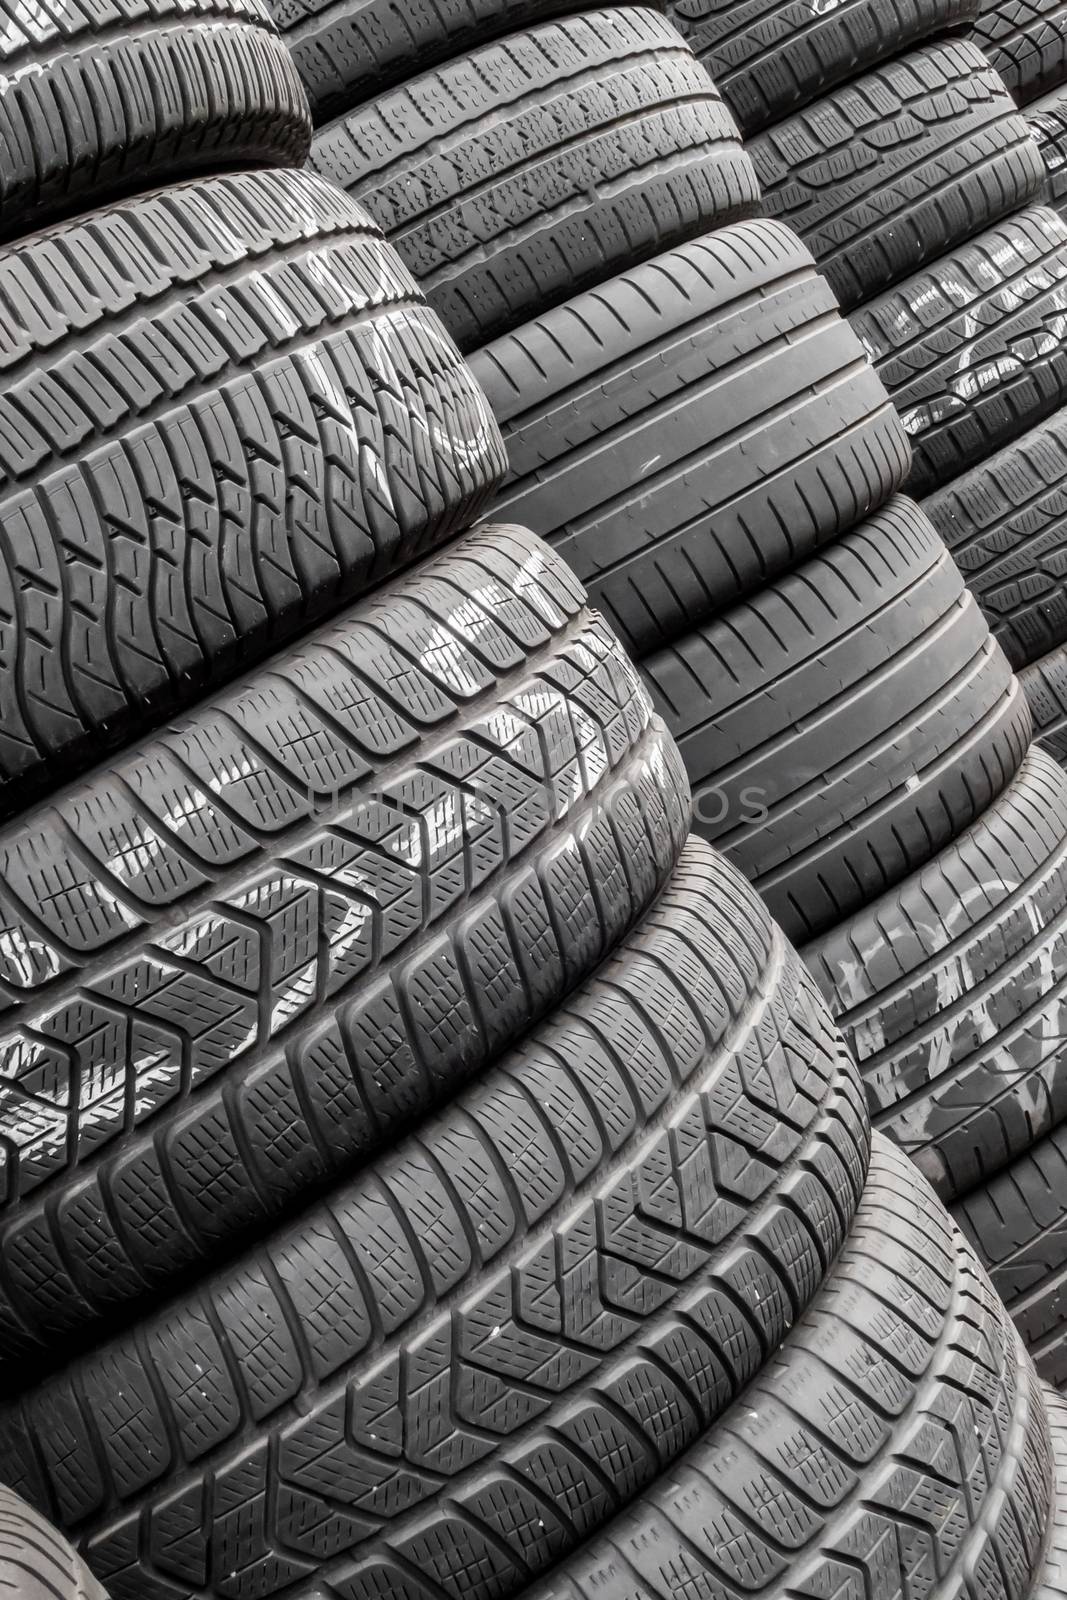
<point>1053,1581</point>
<point>846,723</point>
<point>897,167</point>
<point>1026,41</point>
<point>349,51</point>
<point>1047,120</point>
<point>255,948</point>
<point>1005,522</point>
<point>1045,685</point>
<point>973,349</point>
<point>951,990</point>
<point>97,100</point>
<point>691,429</point>
<point>543,164</point>
<point>468,1358</point>
<point>898,1441</point>
<point>1018,1225</point>
<point>37,1563</point>
<point>230,413</point>
<point>770,56</point>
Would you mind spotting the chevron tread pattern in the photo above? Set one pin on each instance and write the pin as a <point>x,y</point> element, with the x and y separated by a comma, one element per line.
<point>251,951</point>
<point>443,1377</point>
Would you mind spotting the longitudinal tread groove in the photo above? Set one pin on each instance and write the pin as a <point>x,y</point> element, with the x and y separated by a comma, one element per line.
<point>684,1138</point>
<point>653,423</point>
<point>542,163</point>
<point>264,941</point>
<point>898,166</point>
<point>770,56</point>
<point>1026,40</point>
<point>36,1562</point>
<point>845,722</point>
<point>950,988</point>
<point>973,348</point>
<point>225,410</point>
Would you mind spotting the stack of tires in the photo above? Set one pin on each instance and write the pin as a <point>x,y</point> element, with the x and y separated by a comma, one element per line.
<point>703,439</point>
<point>928,879</point>
<point>427,1172</point>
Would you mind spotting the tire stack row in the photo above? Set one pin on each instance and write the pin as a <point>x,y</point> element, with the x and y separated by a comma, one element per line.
<point>702,438</point>
<point>428,1174</point>
<point>919,193</point>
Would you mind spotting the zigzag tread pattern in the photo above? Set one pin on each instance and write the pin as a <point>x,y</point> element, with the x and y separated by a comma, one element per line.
<point>253,949</point>
<point>225,411</point>
<point>692,428</point>
<point>972,349</point>
<point>898,1440</point>
<point>443,1378</point>
<point>951,988</point>
<point>898,166</point>
<point>543,163</point>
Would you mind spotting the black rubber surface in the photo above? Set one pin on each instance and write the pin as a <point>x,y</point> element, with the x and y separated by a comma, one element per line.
<point>847,722</point>
<point>36,1563</point>
<point>1045,684</point>
<point>1053,1581</point>
<point>470,1356</point>
<point>244,956</point>
<point>952,988</point>
<point>973,350</point>
<point>692,428</point>
<point>543,164</point>
<point>100,99</point>
<point>224,410</point>
<point>1048,126</point>
<point>347,51</point>
<point>770,56</point>
<point>1005,522</point>
<point>1018,1225</point>
<point>897,1443</point>
<point>1026,40</point>
<point>898,166</point>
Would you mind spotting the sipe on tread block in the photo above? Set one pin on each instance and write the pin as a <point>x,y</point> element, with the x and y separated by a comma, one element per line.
<point>562,1279</point>
<point>542,164</point>
<point>230,412</point>
<point>259,946</point>
<point>98,100</point>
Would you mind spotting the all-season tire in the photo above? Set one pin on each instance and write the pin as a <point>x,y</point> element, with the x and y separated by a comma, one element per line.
<point>230,412</point>
<point>845,723</point>
<point>898,166</point>
<point>97,100</point>
<point>951,989</point>
<point>1053,1581</point>
<point>542,164</point>
<point>1048,128</point>
<point>687,431</point>
<point>899,1432</point>
<point>1026,40</point>
<point>1045,684</point>
<point>1005,522</point>
<point>1017,1223</point>
<point>37,1563</point>
<point>973,350</point>
<point>253,949</point>
<point>348,51</point>
<point>465,1360</point>
<point>770,56</point>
